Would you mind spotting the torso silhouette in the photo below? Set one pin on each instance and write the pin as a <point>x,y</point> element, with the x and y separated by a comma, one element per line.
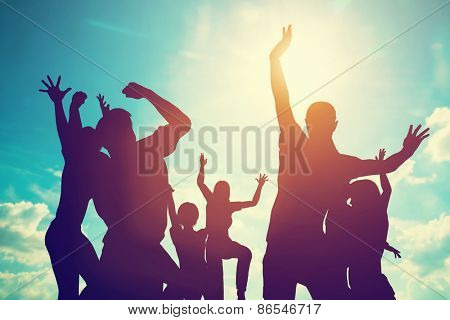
<point>77,183</point>
<point>132,191</point>
<point>190,246</point>
<point>219,217</point>
<point>306,192</point>
<point>131,202</point>
<point>371,226</point>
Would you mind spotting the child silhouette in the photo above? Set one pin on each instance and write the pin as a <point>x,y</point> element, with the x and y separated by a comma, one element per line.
<point>190,247</point>
<point>370,224</point>
<point>219,211</point>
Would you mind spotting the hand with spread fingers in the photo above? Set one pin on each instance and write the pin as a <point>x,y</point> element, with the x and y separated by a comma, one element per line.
<point>263,178</point>
<point>53,90</point>
<point>414,138</point>
<point>104,106</point>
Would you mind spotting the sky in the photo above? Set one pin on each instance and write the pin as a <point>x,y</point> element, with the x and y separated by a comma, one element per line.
<point>210,58</point>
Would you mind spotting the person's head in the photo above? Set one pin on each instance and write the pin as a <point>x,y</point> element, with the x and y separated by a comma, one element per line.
<point>90,140</point>
<point>364,193</point>
<point>188,215</point>
<point>321,120</point>
<point>222,191</point>
<point>115,129</point>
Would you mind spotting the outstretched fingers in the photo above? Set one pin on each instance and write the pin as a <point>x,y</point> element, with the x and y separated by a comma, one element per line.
<point>101,100</point>
<point>410,129</point>
<point>45,84</point>
<point>50,81</point>
<point>262,178</point>
<point>424,137</point>
<point>417,129</point>
<point>381,154</point>
<point>423,133</point>
<point>203,160</point>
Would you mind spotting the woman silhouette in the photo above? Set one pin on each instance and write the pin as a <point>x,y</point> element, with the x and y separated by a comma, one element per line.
<point>219,211</point>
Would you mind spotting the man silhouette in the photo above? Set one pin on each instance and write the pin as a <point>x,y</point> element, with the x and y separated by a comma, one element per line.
<point>312,180</point>
<point>132,200</point>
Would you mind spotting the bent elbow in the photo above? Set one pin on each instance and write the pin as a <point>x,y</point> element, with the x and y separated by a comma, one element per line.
<point>184,127</point>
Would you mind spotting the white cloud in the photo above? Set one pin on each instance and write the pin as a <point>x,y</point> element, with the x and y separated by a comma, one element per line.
<point>419,237</point>
<point>20,240</point>
<point>422,273</point>
<point>438,146</point>
<point>404,174</point>
<point>28,285</point>
<point>50,196</point>
<point>56,173</point>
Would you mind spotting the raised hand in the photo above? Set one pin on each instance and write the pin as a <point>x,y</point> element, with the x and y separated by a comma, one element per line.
<point>103,105</point>
<point>284,43</point>
<point>53,90</point>
<point>203,160</point>
<point>135,91</point>
<point>381,155</point>
<point>263,178</point>
<point>414,138</point>
<point>78,99</point>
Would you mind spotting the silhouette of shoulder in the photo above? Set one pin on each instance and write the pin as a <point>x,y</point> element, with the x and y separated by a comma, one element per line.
<point>162,142</point>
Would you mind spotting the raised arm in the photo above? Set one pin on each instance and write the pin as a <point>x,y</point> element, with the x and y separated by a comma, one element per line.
<point>78,100</point>
<point>236,206</point>
<point>384,180</point>
<point>166,138</point>
<point>57,96</point>
<point>362,168</point>
<point>171,208</point>
<point>104,106</point>
<point>279,87</point>
<point>201,179</point>
<point>172,114</point>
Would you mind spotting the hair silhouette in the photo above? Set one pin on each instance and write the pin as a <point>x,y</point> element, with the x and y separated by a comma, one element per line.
<point>188,215</point>
<point>222,191</point>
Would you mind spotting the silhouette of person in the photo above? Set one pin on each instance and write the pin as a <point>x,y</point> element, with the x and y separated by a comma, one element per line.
<point>369,224</point>
<point>313,180</point>
<point>131,200</point>
<point>190,247</point>
<point>219,211</point>
<point>70,251</point>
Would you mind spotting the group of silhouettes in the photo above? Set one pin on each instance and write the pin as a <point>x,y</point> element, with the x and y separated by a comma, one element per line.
<point>328,229</point>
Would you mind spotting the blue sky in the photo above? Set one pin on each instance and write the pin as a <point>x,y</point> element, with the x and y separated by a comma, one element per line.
<point>211,59</point>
